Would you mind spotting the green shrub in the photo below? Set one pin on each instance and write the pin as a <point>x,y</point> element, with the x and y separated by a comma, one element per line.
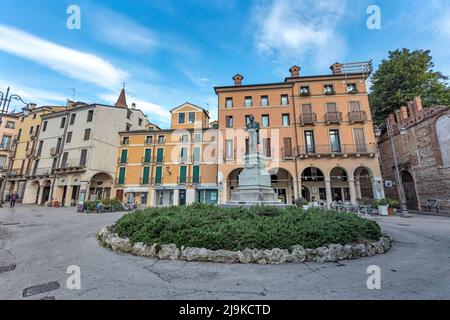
<point>216,228</point>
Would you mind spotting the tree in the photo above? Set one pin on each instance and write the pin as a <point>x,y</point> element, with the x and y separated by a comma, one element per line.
<point>405,75</point>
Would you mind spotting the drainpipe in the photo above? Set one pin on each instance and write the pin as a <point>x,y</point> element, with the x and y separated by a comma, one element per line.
<point>299,192</point>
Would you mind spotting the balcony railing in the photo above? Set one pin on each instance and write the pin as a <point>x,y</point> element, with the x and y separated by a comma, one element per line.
<point>71,165</point>
<point>157,183</point>
<point>42,172</point>
<point>337,149</point>
<point>357,116</point>
<point>308,118</point>
<point>333,117</point>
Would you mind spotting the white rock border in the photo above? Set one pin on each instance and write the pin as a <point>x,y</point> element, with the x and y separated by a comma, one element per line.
<point>330,253</point>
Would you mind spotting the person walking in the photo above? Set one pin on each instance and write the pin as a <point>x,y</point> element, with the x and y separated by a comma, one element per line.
<point>13,199</point>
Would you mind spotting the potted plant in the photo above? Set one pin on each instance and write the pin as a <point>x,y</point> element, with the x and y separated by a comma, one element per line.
<point>393,206</point>
<point>383,205</point>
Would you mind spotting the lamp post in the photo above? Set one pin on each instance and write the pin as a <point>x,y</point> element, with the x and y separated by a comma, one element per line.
<point>5,101</point>
<point>378,131</point>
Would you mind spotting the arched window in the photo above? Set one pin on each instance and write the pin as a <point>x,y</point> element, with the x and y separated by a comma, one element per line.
<point>443,134</point>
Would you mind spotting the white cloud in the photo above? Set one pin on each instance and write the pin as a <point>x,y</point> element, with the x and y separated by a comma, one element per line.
<point>31,95</point>
<point>121,31</point>
<point>69,62</point>
<point>156,113</point>
<point>306,29</point>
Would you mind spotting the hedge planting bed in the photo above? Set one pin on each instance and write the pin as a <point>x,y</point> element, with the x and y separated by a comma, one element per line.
<point>215,228</point>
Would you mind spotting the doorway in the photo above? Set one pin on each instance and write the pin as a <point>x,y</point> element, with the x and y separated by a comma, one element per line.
<point>182,198</point>
<point>45,194</point>
<point>410,190</point>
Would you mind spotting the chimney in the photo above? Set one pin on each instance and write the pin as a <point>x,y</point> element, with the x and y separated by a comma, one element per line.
<point>133,105</point>
<point>336,68</point>
<point>32,106</point>
<point>295,71</point>
<point>238,79</point>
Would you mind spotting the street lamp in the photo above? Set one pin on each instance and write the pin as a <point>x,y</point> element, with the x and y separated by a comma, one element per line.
<point>5,101</point>
<point>378,132</point>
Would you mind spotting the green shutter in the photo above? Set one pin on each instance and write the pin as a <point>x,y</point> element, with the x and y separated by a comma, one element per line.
<point>145,175</point>
<point>124,156</point>
<point>160,155</point>
<point>122,176</point>
<point>183,174</point>
<point>158,175</point>
<point>148,155</point>
<point>196,174</point>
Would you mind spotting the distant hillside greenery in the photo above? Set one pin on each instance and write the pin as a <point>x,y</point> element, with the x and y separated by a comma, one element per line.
<point>403,76</point>
<point>210,227</point>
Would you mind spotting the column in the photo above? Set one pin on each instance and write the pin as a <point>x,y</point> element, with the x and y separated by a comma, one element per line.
<point>41,191</point>
<point>351,186</point>
<point>328,191</point>
<point>176,197</point>
<point>224,192</point>
<point>358,189</point>
<point>68,196</point>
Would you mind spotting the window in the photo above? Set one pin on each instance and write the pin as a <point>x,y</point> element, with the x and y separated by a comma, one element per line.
<point>183,173</point>
<point>309,142</point>
<point>331,107</point>
<point>191,117</point>
<point>360,140</point>
<point>64,159</point>
<point>158,174</point>
<point>147,155</point>
<point>266,147</point>
<point>354,106</point>
<point>6,141</point>
<point>128,127</point>
<point>304,91</point>
<point>129,115</point>
<point>69,137</point>
<point>248,101</point>
<point>335,142</point>
<point>140,122</point>
<point>44,126</point>
<point>145,175</point>
<point>19,134</point>
<point>121,179</point>
<point>185,138</point>
<point>181,118</point>
<point>264,101</point>
<point>287,146</point>
<point>63,122</point>
<point>198,137</point>
<point>72,119</point>
<point>58,145</point>
<point>126,140</point>
<point>124,156</point>
<point>286,120</point>
<point>149,139</point>
<point>31,130</point>
<point>2,162</point>
<point>229,103</point>
<point>351,88</point>
<point>197,153</point>
<point>328,89</point>
<point>10,124</point>
<point>90,116</point>
<point>160,155</point>
<point>39,150</point>
<point>196,174</point>
<point>265,120</point>
<point>83,157</point>
<point>34,116</point>
<point>87,134</point>
<point>284,100</point>
<point>229,149</point>
<point>183,154</point>
<point>160,139</point>
<point>229,121</point>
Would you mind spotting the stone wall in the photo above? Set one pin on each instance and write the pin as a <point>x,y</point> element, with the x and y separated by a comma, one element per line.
<point>418,152</point>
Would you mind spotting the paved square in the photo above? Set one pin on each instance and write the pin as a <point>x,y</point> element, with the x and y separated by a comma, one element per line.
<point>44,242</point>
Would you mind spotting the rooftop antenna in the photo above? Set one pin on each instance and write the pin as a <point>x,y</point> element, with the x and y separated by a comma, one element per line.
<point>73,93</point>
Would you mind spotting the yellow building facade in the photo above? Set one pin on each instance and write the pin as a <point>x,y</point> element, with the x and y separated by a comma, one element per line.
<point>176,166</point>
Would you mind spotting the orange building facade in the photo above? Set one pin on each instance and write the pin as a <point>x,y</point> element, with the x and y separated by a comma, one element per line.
<point>316,132</point>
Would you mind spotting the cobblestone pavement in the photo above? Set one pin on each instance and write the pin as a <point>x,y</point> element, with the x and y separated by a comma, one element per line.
<point>38,244</point>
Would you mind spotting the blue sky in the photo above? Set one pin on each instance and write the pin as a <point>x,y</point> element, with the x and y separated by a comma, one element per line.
<point>169,52</point>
